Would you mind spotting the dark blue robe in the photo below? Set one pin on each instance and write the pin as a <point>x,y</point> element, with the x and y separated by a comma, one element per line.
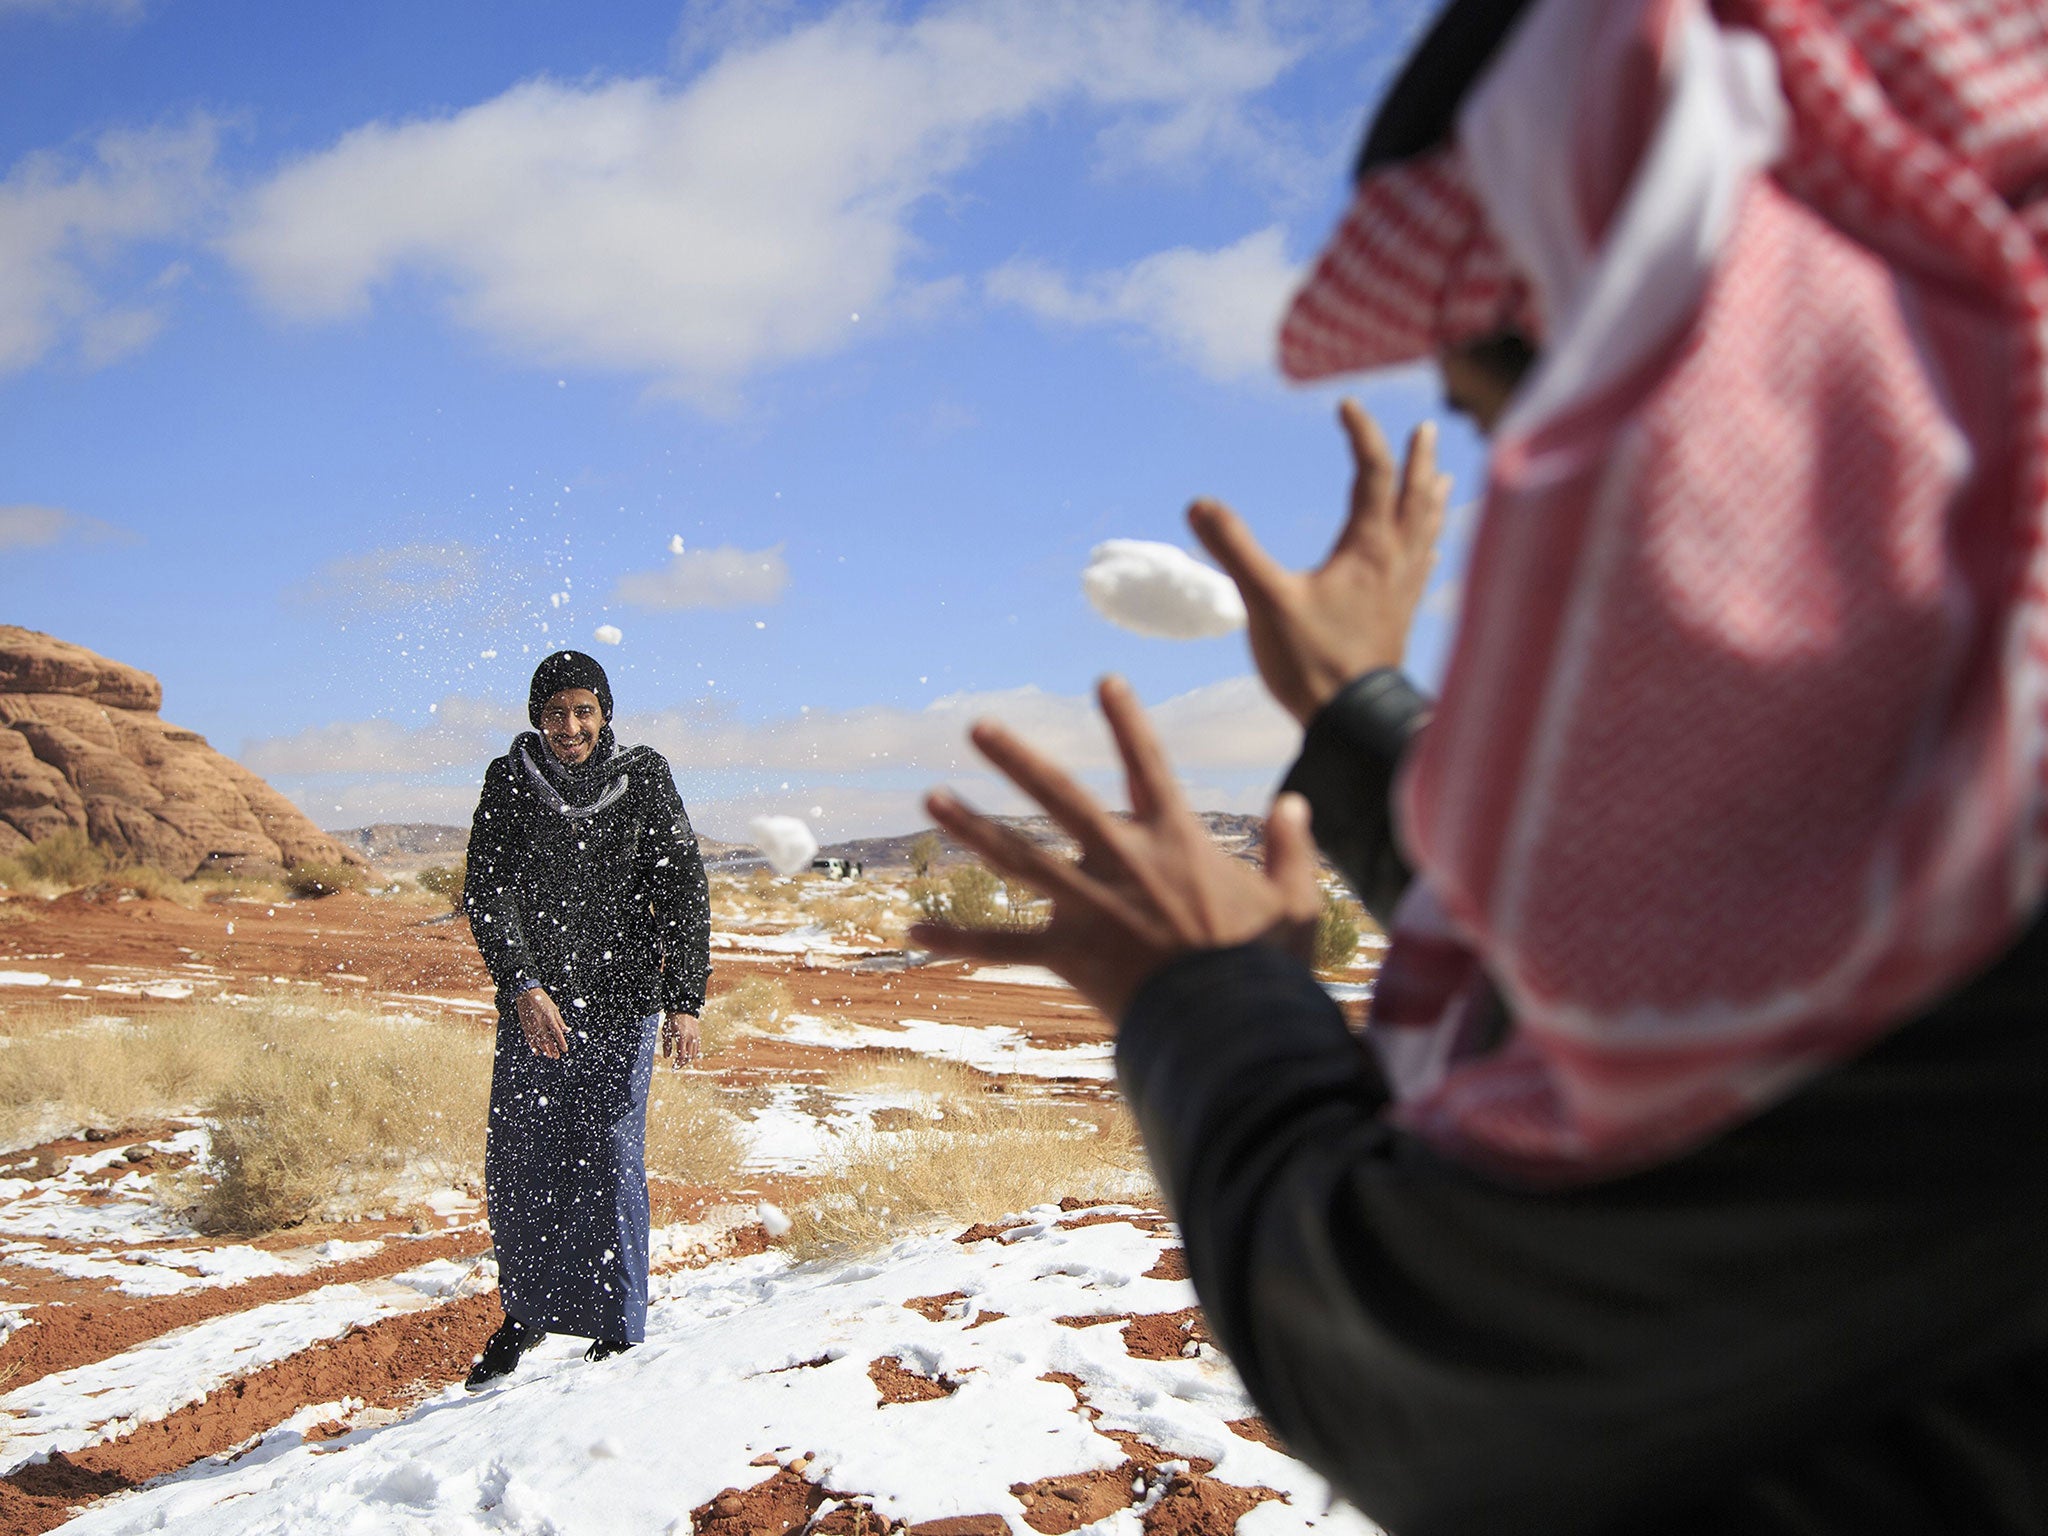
<point>565,1173</point>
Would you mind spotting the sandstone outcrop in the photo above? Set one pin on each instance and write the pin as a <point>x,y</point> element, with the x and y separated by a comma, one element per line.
<point>81,747</point>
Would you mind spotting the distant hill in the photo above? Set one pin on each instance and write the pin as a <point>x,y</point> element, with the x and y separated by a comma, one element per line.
<point>407,847</point>
<point>1241,836</point>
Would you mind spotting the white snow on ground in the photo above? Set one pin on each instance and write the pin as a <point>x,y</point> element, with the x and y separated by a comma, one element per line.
<point>24,978</point>
<point>50,1207</point>
<point>157,1271</point>
<point>992,1048</point>
<point>784,1137</point>
<point>1018,975</point>
<point>635,1443</point>
<point>1161,590</point>
<point>68,1410</point>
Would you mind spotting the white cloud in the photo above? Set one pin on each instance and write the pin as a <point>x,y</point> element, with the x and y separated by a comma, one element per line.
<point>27,526</point>
<point>403,577</point>
<point>63,226</point>
<point>463,733</point>
<point>867,766</point>
<point>725,577</point>
<point>701,232</point>
<point>1218,311</point>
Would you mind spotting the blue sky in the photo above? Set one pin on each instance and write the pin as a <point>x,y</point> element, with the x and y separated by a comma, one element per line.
<point>352,357</point>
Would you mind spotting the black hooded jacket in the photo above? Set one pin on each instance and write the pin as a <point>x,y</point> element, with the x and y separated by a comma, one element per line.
<point>604,902</point>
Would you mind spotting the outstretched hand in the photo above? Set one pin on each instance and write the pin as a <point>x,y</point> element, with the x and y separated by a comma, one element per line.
<point>1146,890</point>
<point>1314,631</point>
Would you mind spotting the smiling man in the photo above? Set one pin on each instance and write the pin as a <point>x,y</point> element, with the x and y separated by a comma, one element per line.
<point>587,899</point>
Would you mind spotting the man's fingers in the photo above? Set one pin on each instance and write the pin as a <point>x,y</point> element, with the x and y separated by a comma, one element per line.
<point>1008,851</point>
<point>1291,855</point>
<point>1050,785</point>
<point>1224,534</point>
<point>1419,478</point>
<point>1372,485</point>
<point>1154,790</point>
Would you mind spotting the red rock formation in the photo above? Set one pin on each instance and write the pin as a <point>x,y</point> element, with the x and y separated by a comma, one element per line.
<point>81,747</point>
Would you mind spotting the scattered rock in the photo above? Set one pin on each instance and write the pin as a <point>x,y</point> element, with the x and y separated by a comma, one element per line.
<point>1172,1265</point>
<point>1056,1505</point>
<point>1195,1504</point>
<point>935,1308</point>
<point>898,1383</point>
<point>1165,1335</point>
<point>981,1231</point>
<point>785,1501</point>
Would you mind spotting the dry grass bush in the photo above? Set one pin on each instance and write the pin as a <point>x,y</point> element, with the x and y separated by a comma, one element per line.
<point>63,861</point>
<point>149,880</point>
<point>947,1083</point>
<point>753,1004</point>
<point>444,881</point>
<point>1336,941</point>
<point>690,1136</point>
<point>857,914</point>
<point>60,1072</point>
<point>972,896</point>
<point>314,878</point>
<point>332,1112</point>
<point>997,1156</point>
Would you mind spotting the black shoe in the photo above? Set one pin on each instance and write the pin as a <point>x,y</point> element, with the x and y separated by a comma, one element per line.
<point>501,1354</point>
<point>604,1349</point>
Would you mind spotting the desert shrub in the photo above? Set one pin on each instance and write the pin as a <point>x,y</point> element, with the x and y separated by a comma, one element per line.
<point>445,880</point>
<point>950,1086</point>
<point>972,896</point>
<point>855,914</point>
<point>1006,1155</point>
<point>751,1005</point>
<point>65,860</point>
<point>690,1138</point>
<point>1336,942</point>
<point>928,896</point>
<point>924,853</point>
<point>333,1114</point>
<point>60,1072</point>
<point>153,881</point>
<point>317,877</point>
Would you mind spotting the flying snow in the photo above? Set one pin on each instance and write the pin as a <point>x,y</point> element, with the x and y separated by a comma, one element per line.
<point>789,844</point>
<point>675,543</point>
<point>1158,590</point>
<point>607,634</point>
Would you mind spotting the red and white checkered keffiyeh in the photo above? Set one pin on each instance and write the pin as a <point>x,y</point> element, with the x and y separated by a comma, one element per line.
<point>1740,757</point>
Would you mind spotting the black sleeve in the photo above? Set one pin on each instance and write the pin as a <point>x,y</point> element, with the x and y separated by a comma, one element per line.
<point>487,888</point>
<point>1346,770</point>
<point>1460,1356</point>
<point>682,899</point>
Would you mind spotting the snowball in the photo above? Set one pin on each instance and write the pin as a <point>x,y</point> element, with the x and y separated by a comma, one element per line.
<point>607,634</point>
<point>773,1219</point>
<point>675,543</point>
<point>1158,590</point>
<point>788,843</point>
